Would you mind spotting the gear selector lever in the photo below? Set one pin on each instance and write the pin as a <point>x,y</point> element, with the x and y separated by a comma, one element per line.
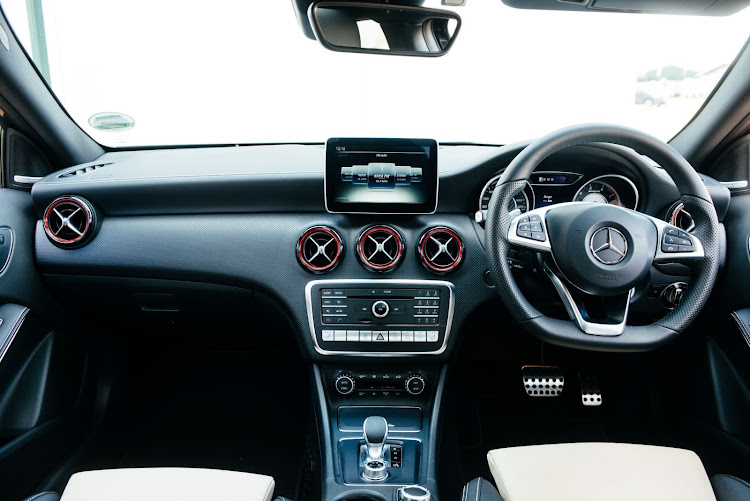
<point>375,431</point>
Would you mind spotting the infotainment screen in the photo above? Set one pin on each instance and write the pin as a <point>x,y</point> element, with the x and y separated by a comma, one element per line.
<point>381,175</point>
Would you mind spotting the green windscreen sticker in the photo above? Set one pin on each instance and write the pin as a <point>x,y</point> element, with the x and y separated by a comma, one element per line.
<point>111,122</point>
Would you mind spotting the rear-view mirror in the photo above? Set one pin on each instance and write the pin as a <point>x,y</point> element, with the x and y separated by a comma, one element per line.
<point>383,29</point>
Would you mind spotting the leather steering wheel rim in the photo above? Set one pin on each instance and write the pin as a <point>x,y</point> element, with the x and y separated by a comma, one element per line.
<point>693,194</point>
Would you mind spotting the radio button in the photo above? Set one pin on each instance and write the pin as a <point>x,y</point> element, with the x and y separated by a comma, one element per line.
<point>380,309</point>
<point>407,336</point>
<point>339,335</point>
<point>352,335</point>
<point>394,336</point>
<point>365,336</point>
<point>420,336</point>
<point>380,336</point>
<point>327,335</point>
<point>432,336</point>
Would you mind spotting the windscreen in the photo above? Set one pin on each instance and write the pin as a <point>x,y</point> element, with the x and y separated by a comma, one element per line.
<point>166,72</point>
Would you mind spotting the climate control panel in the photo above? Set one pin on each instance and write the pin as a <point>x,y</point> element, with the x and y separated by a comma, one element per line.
<point>380,316</point>
<point>372,384</point>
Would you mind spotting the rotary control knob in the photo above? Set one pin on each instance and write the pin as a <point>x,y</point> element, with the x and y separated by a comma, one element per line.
<point>380,309</point>
<point>344,384</point>
<point>415,384</point>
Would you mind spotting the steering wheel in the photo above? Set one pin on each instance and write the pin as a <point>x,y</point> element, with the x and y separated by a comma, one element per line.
<point>597,254</point>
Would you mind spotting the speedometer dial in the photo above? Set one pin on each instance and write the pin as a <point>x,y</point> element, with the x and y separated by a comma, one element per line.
<point>598,192</point>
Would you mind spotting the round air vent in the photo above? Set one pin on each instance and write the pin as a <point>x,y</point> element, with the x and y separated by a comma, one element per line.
<point>69,221</point>
<point>319,249</point>
<point>380,248</point>
<point>441,250</point>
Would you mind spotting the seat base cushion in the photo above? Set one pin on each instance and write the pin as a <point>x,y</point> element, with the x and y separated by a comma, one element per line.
<point>167,484</point>
<point>598,471</point>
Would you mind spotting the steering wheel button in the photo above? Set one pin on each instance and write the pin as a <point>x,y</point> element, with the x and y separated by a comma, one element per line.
<point>523,220</point>
<point>535,218</point>
<point>670,248</point>
<point>682,234</point>
<point>668,239</point>
<point>538,236</point>
<point>536,227</point>
<point>524,227</point>
<point>685,241</point>
<point>523,234</point>
<point>686,248</point>
<point>672,231</point>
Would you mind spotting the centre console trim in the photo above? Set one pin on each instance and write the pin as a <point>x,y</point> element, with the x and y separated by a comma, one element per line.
<point>381,282</point>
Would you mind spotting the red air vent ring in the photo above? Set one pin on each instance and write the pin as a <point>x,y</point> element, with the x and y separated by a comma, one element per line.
<point>65,210</point>
<point>379,242</point>
<point>306,255</point>
<point>451,250</point>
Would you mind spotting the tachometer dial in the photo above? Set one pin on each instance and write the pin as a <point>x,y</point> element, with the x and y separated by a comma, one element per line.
<point>598,192</point>
<point>521,201</point>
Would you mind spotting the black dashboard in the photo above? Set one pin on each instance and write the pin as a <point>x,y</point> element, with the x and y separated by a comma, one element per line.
<point>254,218</point>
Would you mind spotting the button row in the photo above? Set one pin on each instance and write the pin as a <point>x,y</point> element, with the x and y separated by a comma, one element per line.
<point>380,336</point>
<point>531,227</point>
<point>676,240</point>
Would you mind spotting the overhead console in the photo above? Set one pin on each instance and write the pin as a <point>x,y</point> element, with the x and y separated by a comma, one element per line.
<point>381,176</point>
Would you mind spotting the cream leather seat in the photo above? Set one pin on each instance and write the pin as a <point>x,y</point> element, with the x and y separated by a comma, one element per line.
<point>164,484</point>
<point>601,471</point>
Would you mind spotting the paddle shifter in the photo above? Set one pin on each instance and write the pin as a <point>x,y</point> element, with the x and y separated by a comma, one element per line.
<point>375,431</point>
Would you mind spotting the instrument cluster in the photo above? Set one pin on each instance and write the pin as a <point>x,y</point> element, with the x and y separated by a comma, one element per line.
<point>548,188</point>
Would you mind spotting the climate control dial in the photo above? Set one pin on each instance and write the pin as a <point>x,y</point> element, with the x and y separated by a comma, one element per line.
<point>415,384</point>
<point>344,384</point>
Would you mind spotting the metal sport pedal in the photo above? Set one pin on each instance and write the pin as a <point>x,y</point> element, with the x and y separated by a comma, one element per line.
<point>542,380</point>
<point>591,393</point>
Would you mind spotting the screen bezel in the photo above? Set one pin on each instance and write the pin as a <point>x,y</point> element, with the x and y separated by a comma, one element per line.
<point>384,144</point>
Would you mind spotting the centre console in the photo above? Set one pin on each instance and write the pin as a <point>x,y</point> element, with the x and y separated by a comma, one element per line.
<point>380,317</point>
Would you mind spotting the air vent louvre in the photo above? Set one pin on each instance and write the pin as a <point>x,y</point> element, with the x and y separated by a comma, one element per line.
<point>441,250</point>
<point>380,248</point>
<point>82,170</point>
<point>69,221</point>
<point>319,249</point>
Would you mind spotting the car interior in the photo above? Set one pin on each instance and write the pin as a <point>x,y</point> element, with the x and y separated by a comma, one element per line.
<point>405,250</point>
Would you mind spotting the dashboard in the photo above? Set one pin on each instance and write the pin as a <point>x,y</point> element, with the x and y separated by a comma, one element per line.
<point>160,228</point>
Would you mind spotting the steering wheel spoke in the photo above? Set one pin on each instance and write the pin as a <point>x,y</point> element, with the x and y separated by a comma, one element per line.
<point>529,230</point>
<point>616,308</point>
<point>675,245</point>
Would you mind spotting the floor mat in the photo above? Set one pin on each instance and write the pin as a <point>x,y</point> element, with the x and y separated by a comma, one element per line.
<point>240,411</point>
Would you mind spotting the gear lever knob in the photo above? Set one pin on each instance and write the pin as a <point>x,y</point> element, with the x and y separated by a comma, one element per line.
<point>375,431</point>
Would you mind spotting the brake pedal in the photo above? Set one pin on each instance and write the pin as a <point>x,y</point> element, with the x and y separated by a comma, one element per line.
<point>591,393</point>
<point>542,380</point>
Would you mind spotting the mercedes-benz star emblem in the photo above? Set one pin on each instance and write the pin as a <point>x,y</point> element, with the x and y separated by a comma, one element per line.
<point>608,245</point>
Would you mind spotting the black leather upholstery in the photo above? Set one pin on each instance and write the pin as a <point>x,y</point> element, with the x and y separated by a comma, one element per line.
<point>44,496</point>
<point>480,489</point>
<point>729,488</point>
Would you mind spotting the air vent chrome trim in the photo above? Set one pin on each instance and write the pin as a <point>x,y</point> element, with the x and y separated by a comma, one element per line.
<point>368,239</point>
<point>54,216</point>
<point>334,259</point>
<point>431,237</point>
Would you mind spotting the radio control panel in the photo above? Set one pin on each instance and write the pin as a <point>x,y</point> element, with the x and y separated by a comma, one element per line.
<point>380,316</point>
